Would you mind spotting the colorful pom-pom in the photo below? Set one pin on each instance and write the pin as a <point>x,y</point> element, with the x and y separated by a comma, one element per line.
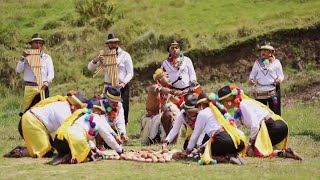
<point>91,117</point>
<point>275,102</point>
<point>234,92</point>
<point>213,162</point>
<point>89,104</point>
<point>92,124</point>
<point>214,102</point>
<point>98,98</point>
<point>200,162</point>
<point>103,96</point>
<point>109,109</point>
<point>95,128</point>
<point>74,161</point>
<point>233,123</point>
<point>223,111</point>
<point>92,132</point>
<point>87,118</point>
<point>85,111</point>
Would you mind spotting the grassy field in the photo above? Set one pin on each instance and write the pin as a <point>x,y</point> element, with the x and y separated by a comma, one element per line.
<point>302,118</point>
<point>145,27</point>
<point>305,135</point>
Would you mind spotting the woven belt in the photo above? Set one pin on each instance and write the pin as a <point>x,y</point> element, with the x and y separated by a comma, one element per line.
<point>218,132</point>
<point>27,83</point>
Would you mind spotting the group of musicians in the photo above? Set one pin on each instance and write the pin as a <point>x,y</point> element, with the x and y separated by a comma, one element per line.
<point>175,100</point>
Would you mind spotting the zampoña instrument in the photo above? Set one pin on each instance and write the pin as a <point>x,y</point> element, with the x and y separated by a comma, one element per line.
<point>34,60</point>
<point>109,65</point>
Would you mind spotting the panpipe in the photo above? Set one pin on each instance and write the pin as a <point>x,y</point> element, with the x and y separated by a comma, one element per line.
<point>34,60</point>
<point>110,66</point>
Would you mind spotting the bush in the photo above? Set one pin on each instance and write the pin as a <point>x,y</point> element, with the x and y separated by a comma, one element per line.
<point>95,12</point>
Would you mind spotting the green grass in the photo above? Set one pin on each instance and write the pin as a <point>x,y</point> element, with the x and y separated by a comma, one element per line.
<point>304,129</point>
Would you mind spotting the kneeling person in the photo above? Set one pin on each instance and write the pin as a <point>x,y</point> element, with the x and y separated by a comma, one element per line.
<point>269,131</point>
<point>75,137</point>
<point>161,110</point>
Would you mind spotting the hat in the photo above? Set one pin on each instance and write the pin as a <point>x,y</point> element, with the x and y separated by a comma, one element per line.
<point>190,104</point>
<point>96,104</point>
<point>202,98</point>
<point>77,98</point>
<point>266,45</point>
<point>158,74</point>
<point>173,44</point>
<point>36,37</point>
<point>112,38</point>
<point>113,94</point>
<point>224,92</point>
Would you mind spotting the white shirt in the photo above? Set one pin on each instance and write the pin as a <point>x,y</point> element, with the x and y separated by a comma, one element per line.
<point>47,69</point>
<point>125,67</point>
<point>186,71</point>
<point>104,130</point>
<point>267,75</point>
<point>119,122</point>
<point>206,122</point>
<point>252,115</point>
<point>52,115</point>
<point>176,128</point>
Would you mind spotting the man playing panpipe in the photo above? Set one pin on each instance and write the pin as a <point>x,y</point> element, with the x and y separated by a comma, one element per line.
<point>45,118</point>
<point>268,131</point>
<point>31,92</point>
<point>124,70</point>
<point>267,71</point>
<point>161,109</point>
<point>179,68</point>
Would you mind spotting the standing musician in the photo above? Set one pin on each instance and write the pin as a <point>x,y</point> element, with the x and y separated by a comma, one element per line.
<point>31,91</point>
<point>267,71</point>
<point>125,70</point>
<point>179,68</point>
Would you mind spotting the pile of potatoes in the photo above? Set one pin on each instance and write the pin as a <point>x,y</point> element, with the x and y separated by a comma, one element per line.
<point>144,156</point>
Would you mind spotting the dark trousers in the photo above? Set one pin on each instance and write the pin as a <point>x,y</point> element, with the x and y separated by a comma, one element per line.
<point>62,146</point>
<point>205,139</point>
<point>277,130</point>
<point>223,145</point>
<point>35,100</point>
<point>276,108</point>
<point>125,94</point>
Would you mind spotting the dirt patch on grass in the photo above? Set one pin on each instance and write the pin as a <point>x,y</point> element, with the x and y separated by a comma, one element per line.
<point>294,47</point>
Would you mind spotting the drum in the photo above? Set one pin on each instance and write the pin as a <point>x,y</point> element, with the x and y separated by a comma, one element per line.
<point>263,92</point>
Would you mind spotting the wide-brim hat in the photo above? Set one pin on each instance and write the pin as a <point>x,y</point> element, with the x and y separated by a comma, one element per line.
<point>224,92</point>
<point>96,104</point>
<point>113,94</point>
<point>173,44</point>
<point>112,38</point>
<point>77,98</point>
<point>190,104</point>
<point>202,98</point>
<point>266,45</point>
<point>36,37</point>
